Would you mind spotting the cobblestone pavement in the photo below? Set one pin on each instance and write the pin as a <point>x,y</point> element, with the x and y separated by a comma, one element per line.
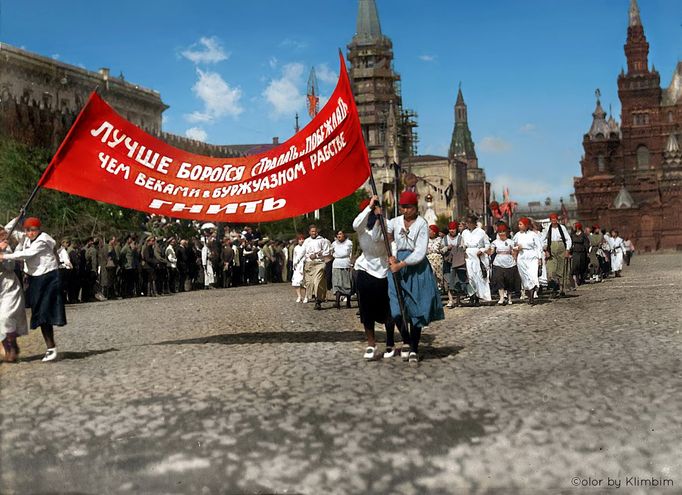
<point>243,391</point>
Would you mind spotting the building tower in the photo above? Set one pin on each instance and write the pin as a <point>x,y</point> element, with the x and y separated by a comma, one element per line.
<point>462,149</point>
<point>376,87</point>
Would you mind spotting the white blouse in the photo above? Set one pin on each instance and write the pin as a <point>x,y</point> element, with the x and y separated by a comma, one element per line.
<point>341,252</point>
<point>38,255</point>
<point>374,259</point>
<point>415,239</point>
<point>476,239</point>
<point>503,253</point>
<point>316,249</point>
<point>529,244</point>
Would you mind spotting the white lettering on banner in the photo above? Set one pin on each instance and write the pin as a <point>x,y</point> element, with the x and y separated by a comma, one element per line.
<point>164,187</point>
<point>112,166</point>
<point>313,141</point>
<point>272,181</point>
<point>328,151</point>
<point>150,159</point>
<point>226,173</point>
<point>268,204</point>
<point>266,164</point>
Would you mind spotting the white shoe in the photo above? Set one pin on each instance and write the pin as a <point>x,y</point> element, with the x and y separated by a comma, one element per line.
<point>389,354</point>
<point>509,301</point>
<point>50,355</point>
<point>370,352</point>
<point>413,357</point>
<point>298,299</point>
<point>405,353</point>
<point>305,300</point>
<point>500,302</point>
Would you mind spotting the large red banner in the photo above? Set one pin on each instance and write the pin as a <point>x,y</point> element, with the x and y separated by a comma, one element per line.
<point>106,158</point>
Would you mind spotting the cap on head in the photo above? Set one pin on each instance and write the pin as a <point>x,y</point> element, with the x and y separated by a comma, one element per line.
<point>408,198</point>
<point>525,221</point>
<point>553,216</point>
<point>32,222</point>
<point>434,228</point>
<point>453,226</point>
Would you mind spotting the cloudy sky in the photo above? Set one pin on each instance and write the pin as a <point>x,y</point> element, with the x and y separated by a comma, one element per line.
<point>236,72</point>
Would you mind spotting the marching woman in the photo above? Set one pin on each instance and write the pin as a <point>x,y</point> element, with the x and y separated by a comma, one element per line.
<point>528,247</point>
<point>342,248</point>
<point>37,250</point>
<point>454,266</point>
<point>476,243</point>
<point>12,306</point>
<point>371,268</point>
<point>433,254</point>
<point>422,300</point>
<point>580,249</point>
<point>505,275</point>
<point>298,258</point>
<point>617,252</point>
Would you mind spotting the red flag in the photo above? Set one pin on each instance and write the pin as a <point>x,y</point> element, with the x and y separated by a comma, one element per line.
<point>106,158</point>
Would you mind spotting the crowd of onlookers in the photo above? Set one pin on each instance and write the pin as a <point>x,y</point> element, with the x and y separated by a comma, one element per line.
<point>150,265</point>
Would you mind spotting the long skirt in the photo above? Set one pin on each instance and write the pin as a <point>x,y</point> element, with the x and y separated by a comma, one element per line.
<point>44,297</point>
<point>421,296</point>
<point>12,305</point>
<point>481,285</point>
<point>316,280</point>
<point>528,271</point>
<point>556,265</point>
<point>373,298</point>
<point>341,282</point>
<point>436,262</point>
<point>580,263</point>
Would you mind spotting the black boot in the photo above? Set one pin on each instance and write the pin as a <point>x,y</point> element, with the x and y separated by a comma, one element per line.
<point>337,304</point>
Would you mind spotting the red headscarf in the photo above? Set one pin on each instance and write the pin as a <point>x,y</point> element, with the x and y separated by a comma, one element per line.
<point>578,226</point>
<point>32,222</point>
<point>525,221</point>
<point>453,226</point>
<point>408,198</point>
<point>434,228</point>
<point>553,216</point>
<point>502,228</point>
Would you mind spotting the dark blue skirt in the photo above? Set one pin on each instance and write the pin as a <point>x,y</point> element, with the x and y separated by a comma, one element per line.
<point>422,299</point>
<point>44,297</point>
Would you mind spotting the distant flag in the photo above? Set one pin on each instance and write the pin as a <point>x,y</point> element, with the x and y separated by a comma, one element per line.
<point>313,94</point>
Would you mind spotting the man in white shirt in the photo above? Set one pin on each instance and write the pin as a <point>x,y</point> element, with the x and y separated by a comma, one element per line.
<point>557,243</point>
<point>317,252</point>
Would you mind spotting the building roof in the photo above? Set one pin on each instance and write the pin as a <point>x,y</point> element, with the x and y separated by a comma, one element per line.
<point>635,19</point>
<point>424,158</point>
<point>624,199</point>
<point>367,27</point>
<point>600,128</point>
<point>461,144</point>
<point>673,92</point>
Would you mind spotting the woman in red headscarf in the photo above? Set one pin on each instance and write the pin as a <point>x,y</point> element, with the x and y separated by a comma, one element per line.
<point>44,296</point>
<point>528,247</point>
<point>416,281</point>
<point>454,266</point>
<point>505,274</point>
<point>580,250</point>
<point>433,254</point>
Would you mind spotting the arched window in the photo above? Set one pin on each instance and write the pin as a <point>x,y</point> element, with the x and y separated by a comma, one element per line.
<point>643,157</point>
<point>601,163</point>
<point>670,117</point>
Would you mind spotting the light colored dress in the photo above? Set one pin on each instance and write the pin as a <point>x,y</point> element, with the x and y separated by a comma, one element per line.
<point>476,242</point>
<point>528,259</point>
<point>12,306</point>
<point>433,254</point>
<point>298,260</point>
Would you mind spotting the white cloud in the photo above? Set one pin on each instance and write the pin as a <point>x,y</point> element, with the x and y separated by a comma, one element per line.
<point>273,62</point>
<point>492,144</point>
<point>207,51</point>
<point>284,93</point>
<point>295,44</point>
<point>527,128</point>
<point>520,187</point>
<point>326,75</point>
<point>219,98</point>
<point>196,133</point>
<point>427,58</point>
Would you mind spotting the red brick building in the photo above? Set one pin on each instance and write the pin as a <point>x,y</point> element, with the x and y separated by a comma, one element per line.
<point>632,172</point>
